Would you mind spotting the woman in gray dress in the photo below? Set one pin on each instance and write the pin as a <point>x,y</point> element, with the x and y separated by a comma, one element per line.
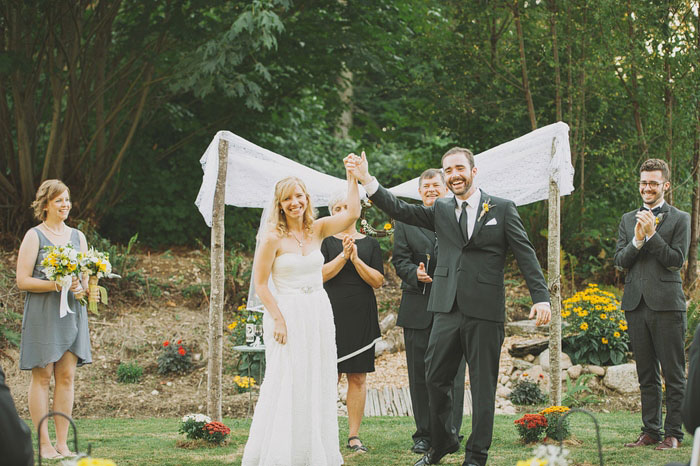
<point>51,345</point>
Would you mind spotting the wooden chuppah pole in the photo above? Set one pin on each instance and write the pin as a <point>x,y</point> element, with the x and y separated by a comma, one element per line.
<point>216,302</point>
<point>554,284</point>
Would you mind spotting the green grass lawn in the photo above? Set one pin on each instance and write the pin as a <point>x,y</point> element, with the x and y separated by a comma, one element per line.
<point>152,442</point>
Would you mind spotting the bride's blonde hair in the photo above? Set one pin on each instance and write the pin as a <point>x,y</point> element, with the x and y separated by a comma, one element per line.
<point>283,189</point>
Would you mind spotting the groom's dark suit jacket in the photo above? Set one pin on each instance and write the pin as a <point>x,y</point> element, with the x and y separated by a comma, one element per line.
<point>653,272</point>
<point>471,271</point>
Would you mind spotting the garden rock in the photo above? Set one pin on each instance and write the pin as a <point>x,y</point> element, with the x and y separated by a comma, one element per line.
<point>526,327</point>
<point>533,346</point>
<point>521,364</point>
<point>381,347</point>
<point>575,371</point>
<point>502,391</point>
<point>529,358</point>
<point>543,360</point>
<point>537,374</point>
<point>387,322</point>
<point>622,378</point>
<point>595,370</point>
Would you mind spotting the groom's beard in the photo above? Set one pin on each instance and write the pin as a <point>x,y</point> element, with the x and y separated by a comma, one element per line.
<point>466,185</point>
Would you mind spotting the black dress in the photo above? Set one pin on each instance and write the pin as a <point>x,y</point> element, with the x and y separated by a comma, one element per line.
<point>354,306</point>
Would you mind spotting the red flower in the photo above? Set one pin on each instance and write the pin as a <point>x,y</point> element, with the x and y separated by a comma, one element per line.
<point>166,343</point>
<point>181,351</point>
<point>179,342</point>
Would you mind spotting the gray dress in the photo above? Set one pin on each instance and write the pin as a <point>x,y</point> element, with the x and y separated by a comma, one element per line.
<point>45,335</point>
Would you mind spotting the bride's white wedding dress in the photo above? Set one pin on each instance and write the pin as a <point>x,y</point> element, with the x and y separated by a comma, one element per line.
<point>295,421</point>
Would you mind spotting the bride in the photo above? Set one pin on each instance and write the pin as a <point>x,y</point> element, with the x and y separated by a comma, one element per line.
<point>295,420</point>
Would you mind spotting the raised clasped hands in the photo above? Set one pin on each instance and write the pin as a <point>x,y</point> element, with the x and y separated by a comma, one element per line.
<point>542,312</point>
<point>422,274</point>
<point>357,166</point>
<point>348,246</point>
<point>646,225</point>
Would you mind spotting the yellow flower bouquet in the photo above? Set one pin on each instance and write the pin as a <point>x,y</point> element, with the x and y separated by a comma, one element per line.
<point>96,264</point>
<point>60,265</point>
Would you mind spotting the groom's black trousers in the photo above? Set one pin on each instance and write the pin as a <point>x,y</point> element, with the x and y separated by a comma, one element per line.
<point>454,335</point>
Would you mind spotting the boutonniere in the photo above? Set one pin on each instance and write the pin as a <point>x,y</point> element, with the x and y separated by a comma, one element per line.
<point>659,218</point>
<point>485,207</point>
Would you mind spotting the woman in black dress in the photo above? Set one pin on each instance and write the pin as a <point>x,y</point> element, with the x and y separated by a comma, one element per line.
<point>353,269</point>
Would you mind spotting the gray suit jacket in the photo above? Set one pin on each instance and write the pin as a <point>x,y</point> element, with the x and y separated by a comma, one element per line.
<point>653,272</point>
<point>471,272</point>
<point>412,245</point>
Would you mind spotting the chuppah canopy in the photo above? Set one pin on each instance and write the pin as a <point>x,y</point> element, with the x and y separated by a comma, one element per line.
<point>518,170</point>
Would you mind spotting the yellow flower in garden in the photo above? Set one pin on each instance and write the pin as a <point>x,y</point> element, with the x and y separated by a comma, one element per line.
<point>387,226</point>
<point>616,334</point>
<point>583,313</point>
<point>95,462</point>
<point>232,325</point>
<point>584,326</point>
<point>241,307</point>
<point>555,409</point>
<point>603,316</point>
<point>604,340</point>
<point>531,462</point>
<point>598,307</point>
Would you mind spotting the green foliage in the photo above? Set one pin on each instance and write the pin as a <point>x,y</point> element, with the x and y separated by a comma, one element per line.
<point>578,393</point>
<point>527,392</point>
<point>192,425</point>
<point>215,432</point>
<point>10,317</point>
<point>596,330</point>
<point>129,372</point>
<point>172,360</point>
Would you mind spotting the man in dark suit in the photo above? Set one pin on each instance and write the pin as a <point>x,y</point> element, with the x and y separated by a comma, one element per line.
<point>474,232</point>
<point>15,436</point>
<point>414,258</point>
<point>652,245</point>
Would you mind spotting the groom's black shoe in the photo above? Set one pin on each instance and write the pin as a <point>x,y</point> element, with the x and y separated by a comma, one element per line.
<point>433,456</point>
<point>422,446</point>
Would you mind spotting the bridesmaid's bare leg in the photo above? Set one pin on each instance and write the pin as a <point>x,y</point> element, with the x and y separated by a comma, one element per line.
<point>64,374</point>
<point>39,406</point>
<point>357,393</point>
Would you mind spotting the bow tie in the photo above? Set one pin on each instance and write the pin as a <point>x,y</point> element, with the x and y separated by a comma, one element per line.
<point>654,211</point>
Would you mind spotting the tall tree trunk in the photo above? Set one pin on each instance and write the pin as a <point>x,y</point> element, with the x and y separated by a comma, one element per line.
<point>668,97</point>
<point>691,275</point>
<point>346,92</point>
<point>216,303</point>
<point>554,285</point>
<point>633,90</point>
<point>523,65</point>
<point>555,57</point>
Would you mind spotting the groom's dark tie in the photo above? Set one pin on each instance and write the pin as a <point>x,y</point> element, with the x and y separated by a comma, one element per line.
<point>654,211</point>
<point>463,221</point>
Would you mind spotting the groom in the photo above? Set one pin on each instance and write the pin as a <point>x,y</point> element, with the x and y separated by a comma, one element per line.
<point>474,230</point>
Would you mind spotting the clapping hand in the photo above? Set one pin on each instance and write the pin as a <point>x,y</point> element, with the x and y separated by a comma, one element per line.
<point>422,274</point>
<point>646,225</point>
<point>348,243</point>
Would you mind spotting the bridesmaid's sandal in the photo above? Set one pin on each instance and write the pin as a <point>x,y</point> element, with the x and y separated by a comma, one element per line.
<point>357,447</point>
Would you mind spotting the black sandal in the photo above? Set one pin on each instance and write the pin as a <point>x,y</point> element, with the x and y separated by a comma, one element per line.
<point>356,448</point>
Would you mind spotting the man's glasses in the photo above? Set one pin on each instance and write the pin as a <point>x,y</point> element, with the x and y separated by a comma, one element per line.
<point>651,184</point>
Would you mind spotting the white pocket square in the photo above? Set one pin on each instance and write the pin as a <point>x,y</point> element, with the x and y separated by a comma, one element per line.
<point>491,222</point>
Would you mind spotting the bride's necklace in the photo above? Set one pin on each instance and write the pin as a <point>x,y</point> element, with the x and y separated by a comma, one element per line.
<point>51,230</point>
<point>300,242</point>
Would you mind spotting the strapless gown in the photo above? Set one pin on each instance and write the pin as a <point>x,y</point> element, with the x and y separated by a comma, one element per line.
<point>295,422</point>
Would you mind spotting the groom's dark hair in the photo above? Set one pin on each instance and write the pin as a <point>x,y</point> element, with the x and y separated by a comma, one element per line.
<point>459,150</point>
<point>652,165</point>
<point>431,173</point>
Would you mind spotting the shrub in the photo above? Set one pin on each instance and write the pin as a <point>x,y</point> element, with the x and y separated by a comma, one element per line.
<point>531,427</point>
<point>596,331</point>
<point>558,427</point>
<point>215,432</point>
<point>527,392</point>
<point>174,360</point>
<point>192,425</point>
<point>129,372</point>
<point>693,322</point>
